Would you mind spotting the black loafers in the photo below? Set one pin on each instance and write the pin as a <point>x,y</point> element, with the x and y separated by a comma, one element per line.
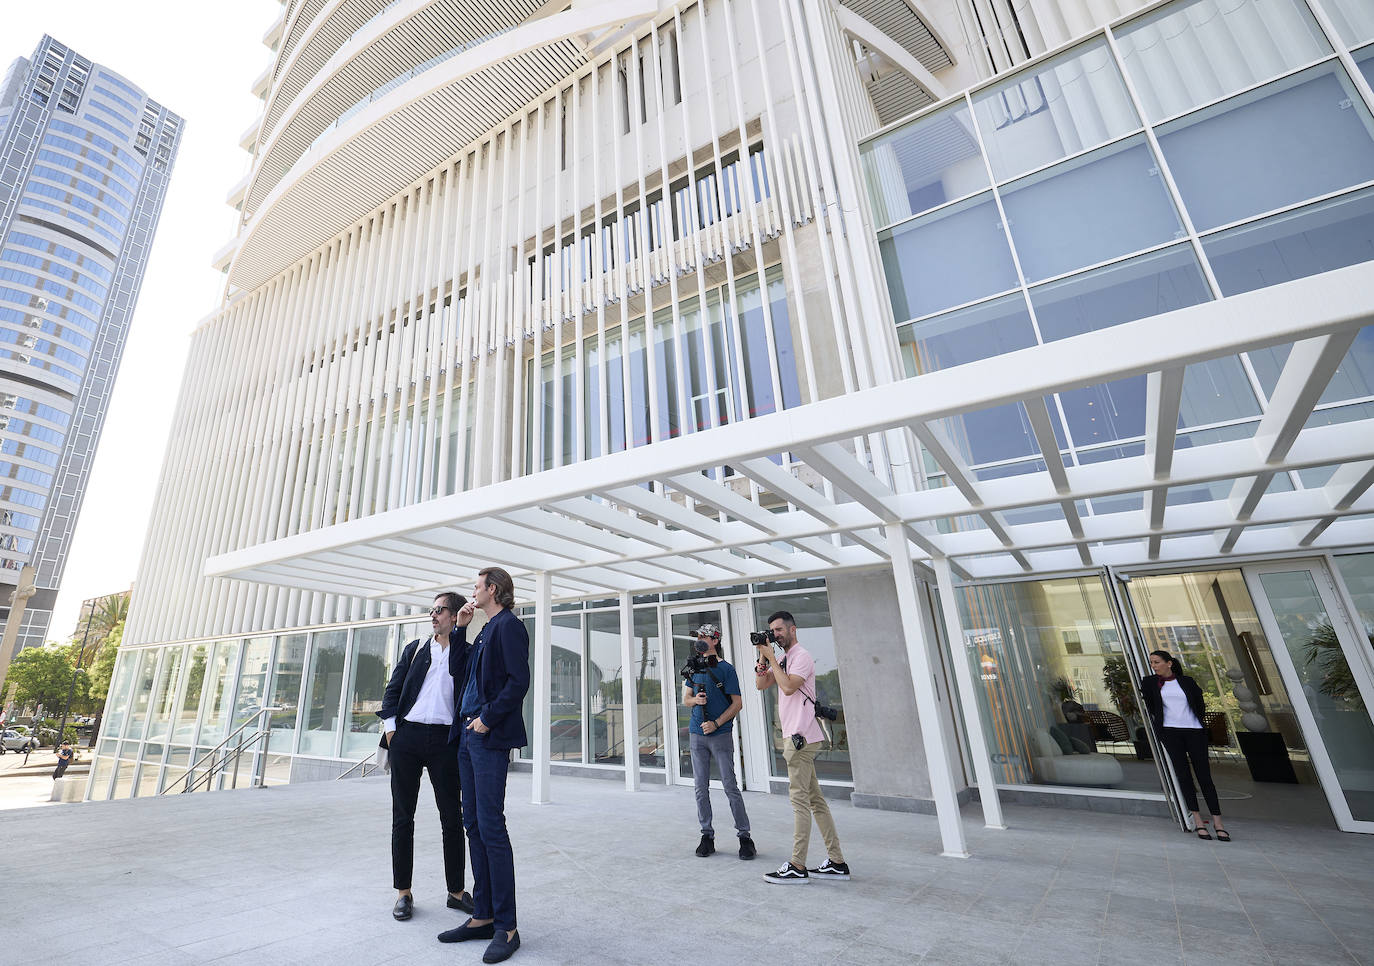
<point>501,948</point>
<point>467,931</point>
<point>463,903</point>
<point>404,908</point>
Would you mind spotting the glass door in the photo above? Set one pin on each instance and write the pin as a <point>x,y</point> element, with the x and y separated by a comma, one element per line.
<point>683,623</point>
<point>1317,650</point>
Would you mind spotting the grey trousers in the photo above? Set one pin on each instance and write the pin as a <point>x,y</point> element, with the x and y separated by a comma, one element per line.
<point>721,747</point>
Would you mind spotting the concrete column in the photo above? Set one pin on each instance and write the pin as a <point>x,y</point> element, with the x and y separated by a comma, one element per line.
<point>543,655</point>
<point>936,735</point>
<point>973,722</point>
<point>629,698</point>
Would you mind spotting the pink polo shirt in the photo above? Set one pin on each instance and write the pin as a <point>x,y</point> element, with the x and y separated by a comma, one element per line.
<point>796,714</point>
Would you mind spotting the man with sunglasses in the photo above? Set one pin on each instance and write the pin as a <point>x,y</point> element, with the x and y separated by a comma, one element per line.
<point>418,711</point>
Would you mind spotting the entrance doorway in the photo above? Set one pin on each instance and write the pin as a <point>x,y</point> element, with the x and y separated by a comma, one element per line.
<point>681,624</point>
<point>1289,735</point>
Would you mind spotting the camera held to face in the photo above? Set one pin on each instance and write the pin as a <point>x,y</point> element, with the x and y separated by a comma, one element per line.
<point>759,638</point>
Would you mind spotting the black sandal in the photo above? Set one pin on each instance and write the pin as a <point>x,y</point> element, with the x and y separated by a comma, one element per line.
<point>1223,835</point>
<point>1202,832</point>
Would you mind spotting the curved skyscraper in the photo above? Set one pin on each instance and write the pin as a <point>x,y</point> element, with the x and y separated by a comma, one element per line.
<point>85,157</point>
<point>997,342</point>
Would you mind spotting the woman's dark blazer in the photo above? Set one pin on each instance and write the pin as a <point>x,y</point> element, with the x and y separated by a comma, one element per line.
<point>1154,701</point>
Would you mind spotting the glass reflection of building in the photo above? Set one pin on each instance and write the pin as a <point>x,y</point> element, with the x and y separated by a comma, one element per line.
<point>1026,198</point>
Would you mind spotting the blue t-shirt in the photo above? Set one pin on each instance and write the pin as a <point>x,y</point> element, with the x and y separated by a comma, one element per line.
<point>717,703</point>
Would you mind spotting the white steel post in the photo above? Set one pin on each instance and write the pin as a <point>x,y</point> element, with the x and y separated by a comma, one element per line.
<point>934,735</point>
<point>629,693</point>
<point>978,743</point>
<point>543,651</point>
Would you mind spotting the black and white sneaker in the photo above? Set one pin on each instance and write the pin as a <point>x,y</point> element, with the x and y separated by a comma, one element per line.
<point>830,872</point>
<point>787,874</point>
<point>706,846</point>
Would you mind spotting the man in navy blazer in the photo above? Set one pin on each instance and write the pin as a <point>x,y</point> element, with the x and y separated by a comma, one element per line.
<point>419,711</point>
<point>489,725</point>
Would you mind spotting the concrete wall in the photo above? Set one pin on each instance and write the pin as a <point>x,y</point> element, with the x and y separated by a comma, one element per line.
<point>890,769</point>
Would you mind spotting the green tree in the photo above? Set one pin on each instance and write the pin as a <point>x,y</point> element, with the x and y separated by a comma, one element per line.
<point>1337,680</point>
<point>102,668</point>
<point>41,675</point>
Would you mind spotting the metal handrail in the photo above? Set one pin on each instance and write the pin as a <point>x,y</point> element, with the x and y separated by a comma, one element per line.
<point>191,781</point>
<point>362,763</point>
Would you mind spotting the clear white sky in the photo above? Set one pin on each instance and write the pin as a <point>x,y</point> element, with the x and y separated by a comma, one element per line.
<point>200,60</point>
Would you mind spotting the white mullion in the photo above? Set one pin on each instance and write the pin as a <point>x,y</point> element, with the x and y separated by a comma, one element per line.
<point>292,355</point>
<point>311,376</point>
<point>620,250</point>
<point>383,359</point>
<point>356,332</point>
<point>331,355</point>
<point>537,390</point>
<point>488,288</point>
<point>419,315</point>
<point>560,149</point>
<point>407,335</point>
<point>645,269</point>
<point>325,483</point>
<point>454,328</point>
<point>439,342</point>
<point>471,326</point>
<point>731,311</point>
<point>396,387</point>
<point>501,280</point>
<point>519,310</point>
<point>599,271</point>
<point>370,338</point>
<point>708,350</point>
<point>679,343</point>
<point>579,286</point>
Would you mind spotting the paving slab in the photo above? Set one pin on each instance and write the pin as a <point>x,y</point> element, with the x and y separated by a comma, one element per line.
<point>300,874</point>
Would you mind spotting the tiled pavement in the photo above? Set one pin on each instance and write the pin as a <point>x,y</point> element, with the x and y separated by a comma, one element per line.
<point>300,874</point>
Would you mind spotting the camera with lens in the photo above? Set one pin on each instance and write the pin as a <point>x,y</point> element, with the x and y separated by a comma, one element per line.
<point>827,712</point>
<point>759,638</point>
<point>697,664</point>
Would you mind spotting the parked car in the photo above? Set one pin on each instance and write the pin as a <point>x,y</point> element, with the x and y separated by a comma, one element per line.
<point>15,741</point>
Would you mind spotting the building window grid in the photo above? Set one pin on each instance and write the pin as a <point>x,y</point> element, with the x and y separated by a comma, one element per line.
<point>1191,237</point>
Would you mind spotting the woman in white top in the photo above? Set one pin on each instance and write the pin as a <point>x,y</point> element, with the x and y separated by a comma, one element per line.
<point>1177,711</point>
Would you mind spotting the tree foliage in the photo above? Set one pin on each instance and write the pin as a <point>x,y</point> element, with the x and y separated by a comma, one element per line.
<point>42,675</point>
<point>103,667</point>
<point>1337,680</point>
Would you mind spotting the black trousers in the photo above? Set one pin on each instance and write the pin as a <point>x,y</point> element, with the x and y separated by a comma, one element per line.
<point>1183,745</point>
<point>414,748</point>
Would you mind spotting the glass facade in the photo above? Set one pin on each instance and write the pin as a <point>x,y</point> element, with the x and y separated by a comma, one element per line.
<point>1195,152</point>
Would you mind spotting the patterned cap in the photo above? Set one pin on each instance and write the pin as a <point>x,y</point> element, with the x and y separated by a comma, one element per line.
<point>709,630</point>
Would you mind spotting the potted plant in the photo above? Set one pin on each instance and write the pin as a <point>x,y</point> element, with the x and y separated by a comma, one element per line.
<point>1116,678</point>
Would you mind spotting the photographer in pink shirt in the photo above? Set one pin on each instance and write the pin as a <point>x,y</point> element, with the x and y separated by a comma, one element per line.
<point>795,676</point>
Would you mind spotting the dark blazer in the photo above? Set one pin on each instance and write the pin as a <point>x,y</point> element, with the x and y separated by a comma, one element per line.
<point>1154,701</point>
<point>409,676</point>
<point>503,678</point>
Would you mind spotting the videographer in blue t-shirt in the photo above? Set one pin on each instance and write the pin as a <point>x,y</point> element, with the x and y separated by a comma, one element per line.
<point>711,690</point>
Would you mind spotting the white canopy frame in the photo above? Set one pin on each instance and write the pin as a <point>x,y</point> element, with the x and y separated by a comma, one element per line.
<point>661,517</point>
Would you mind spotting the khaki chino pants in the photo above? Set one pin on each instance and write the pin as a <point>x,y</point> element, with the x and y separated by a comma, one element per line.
<point>807,802</point>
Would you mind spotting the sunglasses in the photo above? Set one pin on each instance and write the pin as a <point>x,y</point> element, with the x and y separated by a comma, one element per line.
<point>437,610</point>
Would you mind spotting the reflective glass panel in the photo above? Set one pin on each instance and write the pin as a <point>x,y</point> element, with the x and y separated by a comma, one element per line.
<point>1365,60</point>
<point>966,335</point>
<point>147,778</point>
<point>121,685</point>
<point>1295,139</point>
<point>1331,688</point>
<point>286,690</point>
<point>124,780</point>
<point>992,435</point>
<point>192,692</point>
<point>683,628</point>
<point>755,331</point>
<point>565,689</point>
<point>1357,570</point>
<point>165,694</point>
<point>142,693</point>
<point>1068,104</point>
<point>652,740</point>
<point>100,786</point>
<point>1328,235</point>
<point>814,632</point>
<point>1187,54</point>
<point>1353,379</point>
<point>1054,690</point>
<point>368,674</point>
<point>949,257</point>
<point>324,690</point>
<point>604,698</point>
<point>253,680</point>
<point>923,165</point>
<point>1088,210</point>
<point>214,721</point>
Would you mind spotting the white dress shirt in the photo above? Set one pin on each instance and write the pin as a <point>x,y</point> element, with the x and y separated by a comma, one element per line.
<point>434,704</point>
